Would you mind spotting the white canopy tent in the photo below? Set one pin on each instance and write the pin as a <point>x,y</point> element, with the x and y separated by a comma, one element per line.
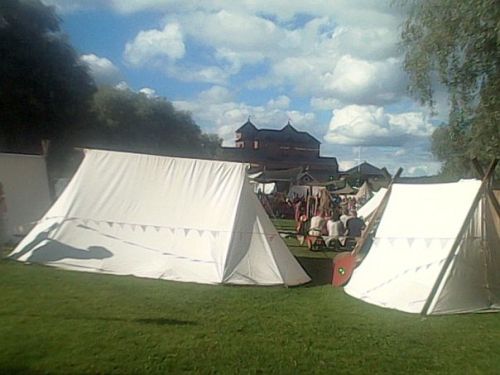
<point>264,188</point>
<point>299,191</point>
<point>410,267</point>
<point>162,217</point>
<point>26,192</point>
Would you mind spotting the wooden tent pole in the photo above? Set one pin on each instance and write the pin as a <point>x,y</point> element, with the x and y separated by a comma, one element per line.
<point>378,213</point>
<point>481,173</point>
<point>458,240</point>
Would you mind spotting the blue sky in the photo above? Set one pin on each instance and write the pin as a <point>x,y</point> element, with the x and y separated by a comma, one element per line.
<point>333,68</point>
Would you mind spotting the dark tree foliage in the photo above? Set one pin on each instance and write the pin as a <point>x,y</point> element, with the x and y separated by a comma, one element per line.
<point>130,121</point>
<point>45,90</point>
<point>456,42</point>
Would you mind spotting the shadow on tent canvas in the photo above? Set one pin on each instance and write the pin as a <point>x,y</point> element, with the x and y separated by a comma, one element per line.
<point>53,250</point>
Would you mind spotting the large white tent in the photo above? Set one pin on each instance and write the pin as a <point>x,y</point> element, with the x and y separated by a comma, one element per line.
<point>26,192</point>
<point>162,217</point>
<point>436,251</point>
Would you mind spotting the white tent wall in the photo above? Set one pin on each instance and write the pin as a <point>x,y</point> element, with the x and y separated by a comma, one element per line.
<point>26,188</point>
<point>416,234</point>
<point>144,215</point>
<point>472,281</point>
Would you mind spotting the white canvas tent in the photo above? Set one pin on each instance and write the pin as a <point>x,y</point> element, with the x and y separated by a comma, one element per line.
<point>369,207</point>
<point>26,192</point>
<point>411,266</point>
<point>364,193</point>
<point>162,217</point>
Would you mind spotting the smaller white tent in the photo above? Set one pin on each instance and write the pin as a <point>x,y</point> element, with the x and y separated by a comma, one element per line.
<point>436,251</point>
<point>364,193</point>
<point>369,207</point>
<point>162,217</point>
<point>26,192</point>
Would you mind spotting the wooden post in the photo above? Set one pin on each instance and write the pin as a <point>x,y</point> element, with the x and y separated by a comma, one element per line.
<point>481,173</point>
<point>375,217</point>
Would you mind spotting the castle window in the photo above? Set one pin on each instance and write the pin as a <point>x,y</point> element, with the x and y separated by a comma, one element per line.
<point>255,145</point>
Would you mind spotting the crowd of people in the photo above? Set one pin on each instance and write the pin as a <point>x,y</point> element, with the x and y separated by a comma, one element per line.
<point>334,223</point>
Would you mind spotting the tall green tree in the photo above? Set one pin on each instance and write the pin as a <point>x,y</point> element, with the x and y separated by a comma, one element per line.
<point>456,43</point>
<point>45,90</point>
<point>132,121</point>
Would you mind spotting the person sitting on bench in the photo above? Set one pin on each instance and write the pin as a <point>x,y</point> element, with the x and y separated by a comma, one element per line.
<point>317,226</point>
<point>355,225</point>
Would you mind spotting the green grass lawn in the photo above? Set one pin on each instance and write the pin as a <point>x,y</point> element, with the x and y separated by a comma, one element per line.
<point>55,321</point>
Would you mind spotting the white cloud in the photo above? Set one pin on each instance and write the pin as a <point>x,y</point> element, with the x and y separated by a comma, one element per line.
<point>344,165</point>
<point>215,95</point>
<point>122,85</point>
<point>216,111</point>
<point>102,70</point>
<point>156,47</point>
<point>149,92</point>
<point>372,126</point>
<point>325,104</point>
<point>281,102</point>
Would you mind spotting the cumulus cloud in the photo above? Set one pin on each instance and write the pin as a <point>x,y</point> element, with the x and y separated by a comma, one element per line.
<point>102,70</point>
<point>372,126</point>
<point>344,51</point>
<point>221,114</point>
<point>149,92</point>
<point>122,85</point>
<point>155,47</point>
<point>281,102</point>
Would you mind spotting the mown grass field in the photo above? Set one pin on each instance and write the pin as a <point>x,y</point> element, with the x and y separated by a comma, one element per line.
<point>55,321</point>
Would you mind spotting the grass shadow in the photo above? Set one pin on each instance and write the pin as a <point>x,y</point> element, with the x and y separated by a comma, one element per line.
<point>320,270</point>
<point>164,321</point>
<point>155,321</point>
